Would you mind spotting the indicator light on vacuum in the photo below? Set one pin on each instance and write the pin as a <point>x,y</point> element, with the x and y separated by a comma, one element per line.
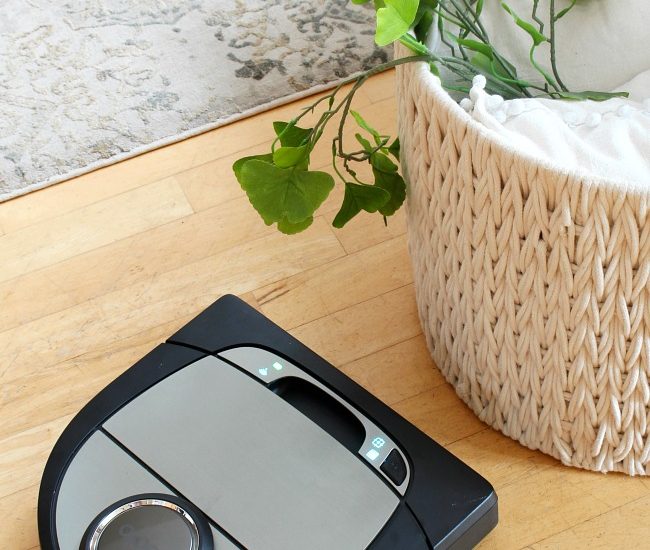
<point>378,442</point>
<point>263,371</point>
<point>372,454</point>
<point>277,366</point>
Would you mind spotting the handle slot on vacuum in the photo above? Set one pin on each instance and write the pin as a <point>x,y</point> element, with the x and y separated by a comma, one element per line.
<point>323,409</point>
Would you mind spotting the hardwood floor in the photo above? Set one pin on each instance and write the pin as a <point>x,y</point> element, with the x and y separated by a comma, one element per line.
<point>97,270</point>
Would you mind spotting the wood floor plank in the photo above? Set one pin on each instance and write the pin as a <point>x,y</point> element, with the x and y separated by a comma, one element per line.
<point>364,328</point>
<point>539,506</point>
<point>368,229</point>
<point>39,397</point>
<point>499,459</point>
<point>213,183</point>
<point>170,295</point>
<point>58,239</point>
<point>134,259</point>
<point>313,294</point>
<point>538,496</point>
<point>23,456</point>
<point>383,87</point>
<point>18,511</point>
<point>625,527</point>
<point>440,414</point>
<point>398,372</point>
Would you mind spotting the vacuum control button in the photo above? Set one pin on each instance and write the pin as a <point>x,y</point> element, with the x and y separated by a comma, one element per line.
<point>394,467</point>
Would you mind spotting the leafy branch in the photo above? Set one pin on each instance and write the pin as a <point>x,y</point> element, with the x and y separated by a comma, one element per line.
<point>285,191</point>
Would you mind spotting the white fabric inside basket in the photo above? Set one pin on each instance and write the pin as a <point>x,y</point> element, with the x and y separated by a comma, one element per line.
<point>601,45</point>
<point>609,139</point>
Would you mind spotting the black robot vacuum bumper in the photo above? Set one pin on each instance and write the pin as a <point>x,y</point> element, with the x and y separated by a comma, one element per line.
<point>233,434</point>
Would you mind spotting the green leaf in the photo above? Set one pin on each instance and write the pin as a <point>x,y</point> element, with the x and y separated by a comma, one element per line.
<point>387,178</point>
<point>414,45</point>
<point>424,24</point>
<point>482,63</point>
<point>237,166</point>
<point>359,197</point>
<point>479,8</point>
<point>395,185</point>
<point>434,69</point>
<point>503,64</point>
<point>394,19</point>
<point>286,157</point>
<point>360,1</point>
<point>381,162</point>
<point>364,142</point>
<point>537,36</point>
<point>394,148</point>
<point>361,122</point>
<point>284,193</point>
<point>594,96</point>
<point>289,228</point>
<point>476,46</point>
<point>293,136</point>
<point>565,10</point>
<point>494,68</point>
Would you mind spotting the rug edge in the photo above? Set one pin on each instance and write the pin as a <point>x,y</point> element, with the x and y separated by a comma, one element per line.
<point>170,140</point>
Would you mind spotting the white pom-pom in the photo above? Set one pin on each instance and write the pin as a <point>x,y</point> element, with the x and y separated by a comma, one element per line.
<point>624,111</point>
<point>646,104</point>
<point>593,120</point>
<point>500,116</point>
<point>466,104</point>
<point>479,81</point>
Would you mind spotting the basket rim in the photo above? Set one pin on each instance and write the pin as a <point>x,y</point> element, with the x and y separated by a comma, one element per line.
<point>433,86</point>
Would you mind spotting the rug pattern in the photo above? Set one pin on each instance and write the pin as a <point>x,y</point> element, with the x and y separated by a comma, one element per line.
<point>84,84</point>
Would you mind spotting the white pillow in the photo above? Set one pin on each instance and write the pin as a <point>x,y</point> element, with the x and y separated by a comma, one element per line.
<point>601,44</point>
<point>608,139</point>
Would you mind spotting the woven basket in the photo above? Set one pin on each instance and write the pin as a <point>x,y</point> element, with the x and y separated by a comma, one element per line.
<point>532,285</point>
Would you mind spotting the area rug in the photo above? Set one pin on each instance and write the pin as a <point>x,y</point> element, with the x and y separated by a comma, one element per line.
<point>85,84</point>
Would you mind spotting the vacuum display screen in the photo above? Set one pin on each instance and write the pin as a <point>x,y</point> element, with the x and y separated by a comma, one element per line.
<point>147,528</point>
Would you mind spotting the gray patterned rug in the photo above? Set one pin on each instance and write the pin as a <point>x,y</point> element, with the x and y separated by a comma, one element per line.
<point>84,84</point>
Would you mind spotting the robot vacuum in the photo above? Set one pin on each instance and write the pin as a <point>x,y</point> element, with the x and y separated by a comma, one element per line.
<point>233,434</point>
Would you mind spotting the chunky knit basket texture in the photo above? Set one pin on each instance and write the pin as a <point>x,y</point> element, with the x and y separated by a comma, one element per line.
<point>532,285</point>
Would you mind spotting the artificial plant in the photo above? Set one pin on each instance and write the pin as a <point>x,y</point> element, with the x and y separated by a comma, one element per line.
<point>280,184</point>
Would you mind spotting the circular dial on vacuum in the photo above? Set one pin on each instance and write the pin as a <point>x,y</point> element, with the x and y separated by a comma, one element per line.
<point>159,522</point>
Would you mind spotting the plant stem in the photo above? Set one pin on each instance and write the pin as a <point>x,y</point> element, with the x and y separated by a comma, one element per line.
<point>552,39</point>
<point>537,20</point>
<point>475,27</point>
<point>346,109</point>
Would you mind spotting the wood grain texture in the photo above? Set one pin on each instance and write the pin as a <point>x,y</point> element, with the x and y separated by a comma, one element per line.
<point>100,269</point>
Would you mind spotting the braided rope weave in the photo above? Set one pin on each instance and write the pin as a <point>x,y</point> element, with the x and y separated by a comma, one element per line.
<point>532,285</point>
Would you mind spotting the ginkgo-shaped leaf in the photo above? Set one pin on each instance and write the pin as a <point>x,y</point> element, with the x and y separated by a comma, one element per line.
<point>290,135</point>
<point>238,165</point>
<point>294,148</point>
<point>289,228</point>
<point>359,197</point>
<point>394,19</point>
<point>287,194</point>
<point>388,179</point>
<point>286,157</point>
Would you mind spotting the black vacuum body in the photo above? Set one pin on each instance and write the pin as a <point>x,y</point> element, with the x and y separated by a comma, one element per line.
<point>233,434</point>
